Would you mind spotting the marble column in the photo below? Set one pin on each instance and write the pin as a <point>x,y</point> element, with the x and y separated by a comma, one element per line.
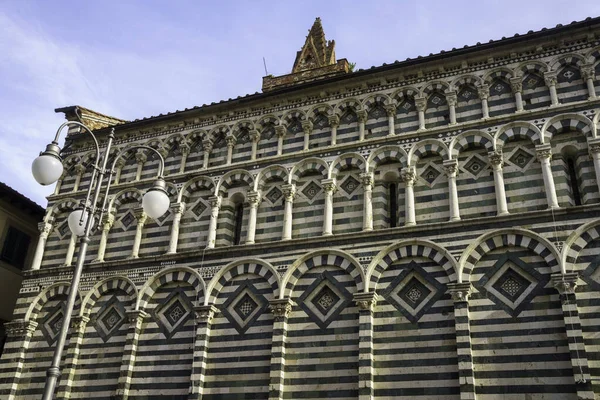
<point>451,168</point>
<point>551,81</point>
<point>281,309</point>
<point>215,204</point>
<point>594,150</point>
<point>334,122</point>
<point>497,162</point>
<point>421,103</point>
<point>59,183</point>
<point>178,210</point>
<point>330,188</point>
<point>565,284</point>
<point>367,182</point>
<point>18,339</point>
<point>484,92</point>
<point>361,115</point>
<point>107,223</point>
<point>141,158</point>
<point>141,217</point>
<point>185,152</point>
<point>307,128</point>
<point>390,110</point>
<point>452,100</point>
<point>253,199</point>
<point>231,140</point>
<point>79,170</point>
<point>589,74</point>
<point>366,370</point>
<point>204,316</point>
<point>280,131</point>
<point>78,326</point>
<point>409,177</point>
<point>207,146</point>
<point>136,321</point>
<point>45,229</point>
<point>70,250</point>
<point>460,293</point>
<point>254,137</point>
<point>289,193</point>
<point>544,155</point>
<point>120,164</point>
<point>516,85</point>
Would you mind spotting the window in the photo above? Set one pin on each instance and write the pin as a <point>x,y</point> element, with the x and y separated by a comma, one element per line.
<point>573,181</point>
<point>238,218</point>
<point>393,198</point>
<point>14,249</point>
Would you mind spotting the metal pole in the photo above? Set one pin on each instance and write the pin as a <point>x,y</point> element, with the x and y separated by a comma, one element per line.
<point>53,371</point>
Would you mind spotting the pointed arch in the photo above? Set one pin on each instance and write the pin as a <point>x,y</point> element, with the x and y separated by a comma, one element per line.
<point>168,275</point>
<point>469,139</point>
<point>308,164</point>
<point>426,147</point>
<point>237,175</point>
<point>520,130</point>
<point>235,268</point>
<point>193,185</point>
<point>124,196</point>
<point>56,289</point>
<point>408,248</point>
<point>105,286</point>
<point>568,122</point>
<point>320,258</point>
<point>345,160</point>
<point>386,153</point>
<point>271,171</point>
<point>508,237</point>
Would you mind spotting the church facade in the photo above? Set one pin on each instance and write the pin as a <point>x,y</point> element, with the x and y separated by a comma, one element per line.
<point>426,229</point>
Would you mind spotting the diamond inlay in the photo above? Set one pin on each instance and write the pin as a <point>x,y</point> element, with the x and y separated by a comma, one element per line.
<point>63,230</point>
<point>321,121</point>
<point>520,158</point>
<point>500,87</point>
<point>244,306</point>
<point>475,165</point>
<point>414,292</point>
<point>377,112</point>
<point>532,81</point>
<point>569,74</point>
<point>511,284</point>
<point>349,117</point>
<point>430,174</point>
<point>295,126</point>
<point>324,299</point>
<point>110,318</point>
<point>52,324</point>
<point>467,94</point>
<point>274,195</point>
<point>350,185</point>
<point>199,209</point>
<point>127,220</point>
<point>406,105</point>
<point>436,100</point>
<point>311,190</point>
<point>173,313</point>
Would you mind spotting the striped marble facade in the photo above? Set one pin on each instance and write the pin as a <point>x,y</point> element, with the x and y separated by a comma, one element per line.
<point>462,261</point>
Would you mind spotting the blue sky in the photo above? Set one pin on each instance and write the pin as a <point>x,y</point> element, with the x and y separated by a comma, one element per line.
<point>133,59</point>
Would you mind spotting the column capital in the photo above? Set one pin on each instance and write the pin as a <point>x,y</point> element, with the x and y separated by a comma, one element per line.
<point>565,283</point>
<point>107,221</point>
<point>450,167</point>
<point>496,158</point>
<point>207,144</point>
<point>141,157</point>
<point>366,178</point>
<point>516,84</point>
<point>366,301</point>
<point>185,148</point>
<point>140,215</point>
<point>79,169</point>
<point>120,163</point>
<point>594,146</point>
<point>280,130</point>
<point>136,317</point>
<point>79,323</point>
<point>45,228</point>
<point>289,191</point>
<point>460,292</point>
<point>253,197</point>
<point>307,126</point>
<point>329,185</point>
<point>20,328</point>
<point>409,176</point>
<point>178,208</point>
<point>334,120</point>
<point>215,202</point>
<point>421,103</point>
<point>231,140</point>
<point>254,135</point>
<point>205,313</point>
<point>451,97</point>
<point>550,78</point>
<point>390,109</point>
<point>281,308</point>
<point>483,91</point>
<point>587,71</point>
<point>543,151</point>
<point>361,115</point>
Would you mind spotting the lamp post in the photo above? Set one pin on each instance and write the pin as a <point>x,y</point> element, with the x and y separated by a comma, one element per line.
<point>46,169</point>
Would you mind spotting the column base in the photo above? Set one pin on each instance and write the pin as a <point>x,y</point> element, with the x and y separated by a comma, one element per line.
<point>98,260</point>
<point>553,208</point>
<point>327,234</point>
<point>410,224</point>
<point>367,230</point>
<point>170,252</point>
<point>133,257</point>
<point>249,242</point>
<point>454,219</point>
<point>500,214</point>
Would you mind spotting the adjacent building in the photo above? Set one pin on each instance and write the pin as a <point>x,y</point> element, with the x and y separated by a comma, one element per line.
<point>425,229</point>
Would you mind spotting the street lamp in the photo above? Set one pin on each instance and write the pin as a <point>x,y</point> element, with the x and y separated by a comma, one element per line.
<point>47,169</point>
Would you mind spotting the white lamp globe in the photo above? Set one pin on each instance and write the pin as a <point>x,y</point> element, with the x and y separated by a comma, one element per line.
<point>75,226</point>
<point>155,202</point>
<point>46,169</point>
